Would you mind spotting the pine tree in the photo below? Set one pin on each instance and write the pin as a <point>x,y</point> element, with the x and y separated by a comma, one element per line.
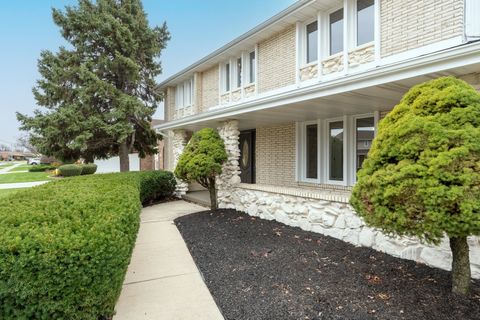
<point>100,92</point>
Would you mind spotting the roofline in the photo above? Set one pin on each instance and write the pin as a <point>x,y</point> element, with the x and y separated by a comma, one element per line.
<point>284,13</point>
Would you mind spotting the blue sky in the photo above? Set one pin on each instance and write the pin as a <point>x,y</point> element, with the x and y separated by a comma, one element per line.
<point>197,27</point>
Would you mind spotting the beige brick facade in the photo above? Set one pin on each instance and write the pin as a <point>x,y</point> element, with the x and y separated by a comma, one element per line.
<point>169,103</point>
<point>210,83</point>
<point>410,24</point>
<point>276,61</point>
<point>275,155</point>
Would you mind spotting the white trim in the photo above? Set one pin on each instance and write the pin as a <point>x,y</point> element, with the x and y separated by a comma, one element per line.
<point>320,52</point>
<point>378,30</point>
<point>327,144</point>
<point>472,21</point>
<point>434,62</point>
<point>353,167</point>
<point>298,45</point>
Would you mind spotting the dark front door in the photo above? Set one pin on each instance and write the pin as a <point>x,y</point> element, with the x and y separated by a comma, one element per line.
<point>247,156</point>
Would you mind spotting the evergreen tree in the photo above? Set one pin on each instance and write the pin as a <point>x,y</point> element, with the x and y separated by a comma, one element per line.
<point>422,174</point>
<point>100,92</point>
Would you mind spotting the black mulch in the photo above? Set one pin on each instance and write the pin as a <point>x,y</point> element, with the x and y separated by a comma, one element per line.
<point>258,269</point>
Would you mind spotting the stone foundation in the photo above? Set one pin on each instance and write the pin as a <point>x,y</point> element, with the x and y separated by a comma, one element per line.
<point>323,212</point>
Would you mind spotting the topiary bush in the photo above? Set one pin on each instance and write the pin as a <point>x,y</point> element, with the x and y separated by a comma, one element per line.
<point>422,174</point>
<point>41,168</point>
<point>65,246</point>
<point>70,170</point>
<point>88,168</point>
<point>202,160</point>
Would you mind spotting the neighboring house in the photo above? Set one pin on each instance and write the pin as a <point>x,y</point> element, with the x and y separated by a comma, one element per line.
<point>15,155</point>
<point>297,100</point>
<point>156,161</point>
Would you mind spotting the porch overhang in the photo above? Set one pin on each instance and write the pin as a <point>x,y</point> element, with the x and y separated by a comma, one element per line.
<point>378,89</point>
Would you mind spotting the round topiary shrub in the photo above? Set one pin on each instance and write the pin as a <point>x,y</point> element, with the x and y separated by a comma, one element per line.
<point>70,170</point>
<point>88,168</point>
<point>422,174</point>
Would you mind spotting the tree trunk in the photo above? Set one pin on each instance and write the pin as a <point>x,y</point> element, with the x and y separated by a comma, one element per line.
<point>213,194</point>
<point>123,155</point>
<point>460,265</point>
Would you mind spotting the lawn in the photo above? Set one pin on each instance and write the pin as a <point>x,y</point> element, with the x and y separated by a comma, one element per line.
<point>258,269</point>
<point>5,165</point>
<point>23,167</point>
<point>24,177</point>
<point>6,192</point>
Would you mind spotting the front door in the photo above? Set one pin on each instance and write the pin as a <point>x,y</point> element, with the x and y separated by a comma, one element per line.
<point>247,156</point>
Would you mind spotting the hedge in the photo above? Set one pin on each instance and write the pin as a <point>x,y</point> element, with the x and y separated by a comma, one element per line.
<point>41,168</point>
<point>70,170</point>
<point>65,246</point>
<point>88,168</point>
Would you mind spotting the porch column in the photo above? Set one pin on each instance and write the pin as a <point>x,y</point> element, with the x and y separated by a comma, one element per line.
<point>179,141</point>
<point>230,176</point>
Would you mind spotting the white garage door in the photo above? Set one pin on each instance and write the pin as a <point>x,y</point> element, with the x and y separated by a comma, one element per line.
<point>113,164</point>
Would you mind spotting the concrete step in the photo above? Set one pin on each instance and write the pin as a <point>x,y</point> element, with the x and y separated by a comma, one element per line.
<point>199,197</point>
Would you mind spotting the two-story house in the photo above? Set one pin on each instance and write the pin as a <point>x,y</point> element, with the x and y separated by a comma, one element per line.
<point>298,98</point>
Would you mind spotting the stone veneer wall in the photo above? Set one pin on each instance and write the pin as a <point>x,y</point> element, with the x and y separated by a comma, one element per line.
<point>361,55</point>
<point>276,61</point>
<point>179,141</point>
<point>410,24</point>
<point>332,64</point>
<point>230,177</point>
<point>309,72</point>
<point>210,90</point>
<point>275,155</point>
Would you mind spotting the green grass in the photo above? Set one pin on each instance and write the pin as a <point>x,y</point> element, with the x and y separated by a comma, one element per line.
<point>24,177</point>
<point>5,165</point>
<point>6,192</point>
<point>23,167</point>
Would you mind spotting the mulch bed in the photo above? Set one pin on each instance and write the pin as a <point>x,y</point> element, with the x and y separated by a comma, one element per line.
<point>258,269</point>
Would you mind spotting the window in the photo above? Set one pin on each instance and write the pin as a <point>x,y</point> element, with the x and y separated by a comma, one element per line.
<point>365,21</point>
<point>364,134</point>
<point>335,152</point>
<point>252,66</point>
<point>184,94</point>
<point>336,32</point>
<point>312,42</point>
<point>239,72</point>
<point>311,151</point>
<point>227,77</point>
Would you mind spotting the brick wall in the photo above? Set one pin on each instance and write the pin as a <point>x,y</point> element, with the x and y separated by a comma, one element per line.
<point>209,95</point>
<point>169,103</point>
<point>275,155</point>
<point>276,61</point>
<point>409,24</point>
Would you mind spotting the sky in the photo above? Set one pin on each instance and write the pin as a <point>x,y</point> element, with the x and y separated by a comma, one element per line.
<point>197,27</point>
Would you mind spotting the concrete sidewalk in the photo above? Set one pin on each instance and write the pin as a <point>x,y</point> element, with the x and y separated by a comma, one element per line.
<point>18,185</point>
<point>162,281</point>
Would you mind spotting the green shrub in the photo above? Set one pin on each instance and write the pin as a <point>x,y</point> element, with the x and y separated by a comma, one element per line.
<point>41,168</point>
<point>202,161</point>
<point>65,246</point>
<point>88,168</point>
<point>70,170</point>
<point>422,174</point>
<point>156,185</point>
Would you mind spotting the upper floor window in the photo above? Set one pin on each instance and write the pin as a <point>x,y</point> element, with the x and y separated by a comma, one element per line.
<point>184,94</point>
<point>312,42</point>
<point>226,77</point>
<point>336,31</point>
<point>365,21</point>
<point>252,66</point>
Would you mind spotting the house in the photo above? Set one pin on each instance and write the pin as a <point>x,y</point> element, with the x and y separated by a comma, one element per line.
<point>298,98</point>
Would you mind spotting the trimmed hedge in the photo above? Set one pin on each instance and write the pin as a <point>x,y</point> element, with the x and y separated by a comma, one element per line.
<point>88,168</point>
<point>65,246</point>
<point>156,185</point>
<point>70,170</point>
<point>41,168</point>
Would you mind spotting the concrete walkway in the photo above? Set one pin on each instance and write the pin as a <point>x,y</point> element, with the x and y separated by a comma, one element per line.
<point>162,281</point>
<point>6,169</point>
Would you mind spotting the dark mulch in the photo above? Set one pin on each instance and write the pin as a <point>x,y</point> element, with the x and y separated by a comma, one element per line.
<point>258,269</point>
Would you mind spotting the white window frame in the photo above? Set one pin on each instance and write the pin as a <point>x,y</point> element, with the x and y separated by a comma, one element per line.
<point>303,43</point>
<point>181,94</point>
<point>223,80</point>
<point>328,42</point>
<point>246,68</point>
<point>327,150</point>
<point>323,139</point>
<point>302,151</point>
<point>354,41</point>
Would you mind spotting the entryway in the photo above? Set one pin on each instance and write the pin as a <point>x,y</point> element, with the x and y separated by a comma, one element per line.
<point>247,156</point>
